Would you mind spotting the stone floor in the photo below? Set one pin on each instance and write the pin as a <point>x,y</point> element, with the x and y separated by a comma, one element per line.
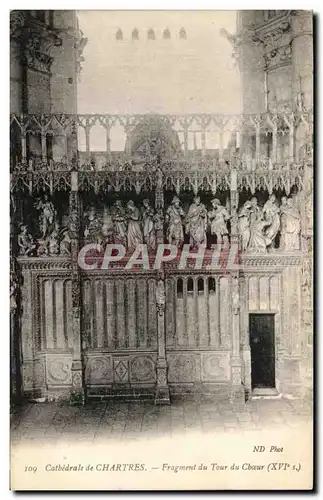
<point>97,421</point>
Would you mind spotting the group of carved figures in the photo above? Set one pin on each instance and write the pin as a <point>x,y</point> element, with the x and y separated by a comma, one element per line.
<point>55,240</point>
<point>259,227</point>
<point>130,226</point>
<point>124,225</point>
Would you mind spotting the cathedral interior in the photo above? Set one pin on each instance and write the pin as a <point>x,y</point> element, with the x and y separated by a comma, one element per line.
<point>198,179</point>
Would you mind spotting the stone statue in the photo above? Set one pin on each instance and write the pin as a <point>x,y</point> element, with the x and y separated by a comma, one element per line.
<point>174,218</point>
<point>26,242</point>
<point>283,223</point>
<point>244,225</point>
<point>107,226</point>
<point>196,223</point>
<point>53,241</point>
<point>271,214</point>
<point>92,228</point>
<point>160,297</point>
<point>218,218</point>
<point>134,232</point>
<point>148,219</point>
<point>258,241</point>
<point>292,226</point>
<point>47,215</point>
<point>65,244</point>
<point>14,285</point>
<point>119,224</point>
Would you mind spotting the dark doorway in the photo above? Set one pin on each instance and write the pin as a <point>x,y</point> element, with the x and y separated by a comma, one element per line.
<point>262,345</point>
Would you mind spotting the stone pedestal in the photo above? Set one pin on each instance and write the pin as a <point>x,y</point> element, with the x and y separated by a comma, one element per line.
<point>162,388</point>
<point>162,396</point>
<point>77,391</point>
<point>77,396</point>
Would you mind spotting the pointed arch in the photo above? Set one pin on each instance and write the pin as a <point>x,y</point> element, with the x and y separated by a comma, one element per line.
<point>151,34</point>
<point>182,34</point>
<point>135,34</point>
<point>119,35</point>
<point>166,33</point>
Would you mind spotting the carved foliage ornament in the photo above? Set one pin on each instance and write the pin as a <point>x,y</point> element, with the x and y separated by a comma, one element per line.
<point>36,40</point>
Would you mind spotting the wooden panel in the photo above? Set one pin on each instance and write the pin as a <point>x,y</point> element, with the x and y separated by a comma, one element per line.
<point>100,312</point>
<point>60,316</point>
<point>202,309</point>
<point>274,292</point>
<point>152,314</point>
<point>131,313</point>
<point>253,293</point>
<point>180,319</point>
<point>110,314</point>
<point>225,333</point>
<point>191,313</point>
<point>120,331</point>
<point>141,313</point>
<point>87,313</point>
<point>49,314</point>
<point>264,293</point>
<point>170,311</point>
<point>214,314</point>
<point>69,312</point>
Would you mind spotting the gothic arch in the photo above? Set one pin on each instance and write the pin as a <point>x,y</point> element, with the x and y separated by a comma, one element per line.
<point>155,136</point>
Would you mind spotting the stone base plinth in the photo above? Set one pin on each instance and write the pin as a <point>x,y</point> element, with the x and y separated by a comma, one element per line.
<point>162,396</point>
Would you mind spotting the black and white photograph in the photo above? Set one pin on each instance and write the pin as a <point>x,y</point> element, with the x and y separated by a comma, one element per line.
<point>161,249</point>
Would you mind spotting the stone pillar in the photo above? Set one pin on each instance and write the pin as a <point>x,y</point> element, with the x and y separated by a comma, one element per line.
<point>237,392</point>
<point>77,391</point>
<point>15,347</point>
<point>162,389</point>
<point>302,56</point>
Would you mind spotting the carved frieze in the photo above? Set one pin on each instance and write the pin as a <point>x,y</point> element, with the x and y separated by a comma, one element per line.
<point>142,369</point>
<point>58,370</point>
<point>275,39</point>
<point>183,367</point>
<point>216,367</point>
<point>99,370</point>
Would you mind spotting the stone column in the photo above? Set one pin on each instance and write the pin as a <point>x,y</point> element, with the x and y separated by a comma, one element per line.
<point>77,391</point>
<point>237,392</point>
<point>15,347</point>
<point>162,389</point>
<point>302,55</point>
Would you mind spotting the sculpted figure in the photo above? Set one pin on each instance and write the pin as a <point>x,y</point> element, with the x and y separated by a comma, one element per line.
<point>271,215</point>
<point>160,296</point>
<point>14,285</point>
<point>65,244</point>
<point>196,223</point>
<point>148,218</point>
<point>244,225</point>
<point>174,218</point>
<point>258,241</point>
<point>107,226</point>
<point>53,240</point>
<point>292,226</point>
<point>46,216</point>
<point>119,224</point>
<point>134,233</point>
<point>218,218</point>
<point>92,229</point>
<point>26,242</point>
<point>283,222</point>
